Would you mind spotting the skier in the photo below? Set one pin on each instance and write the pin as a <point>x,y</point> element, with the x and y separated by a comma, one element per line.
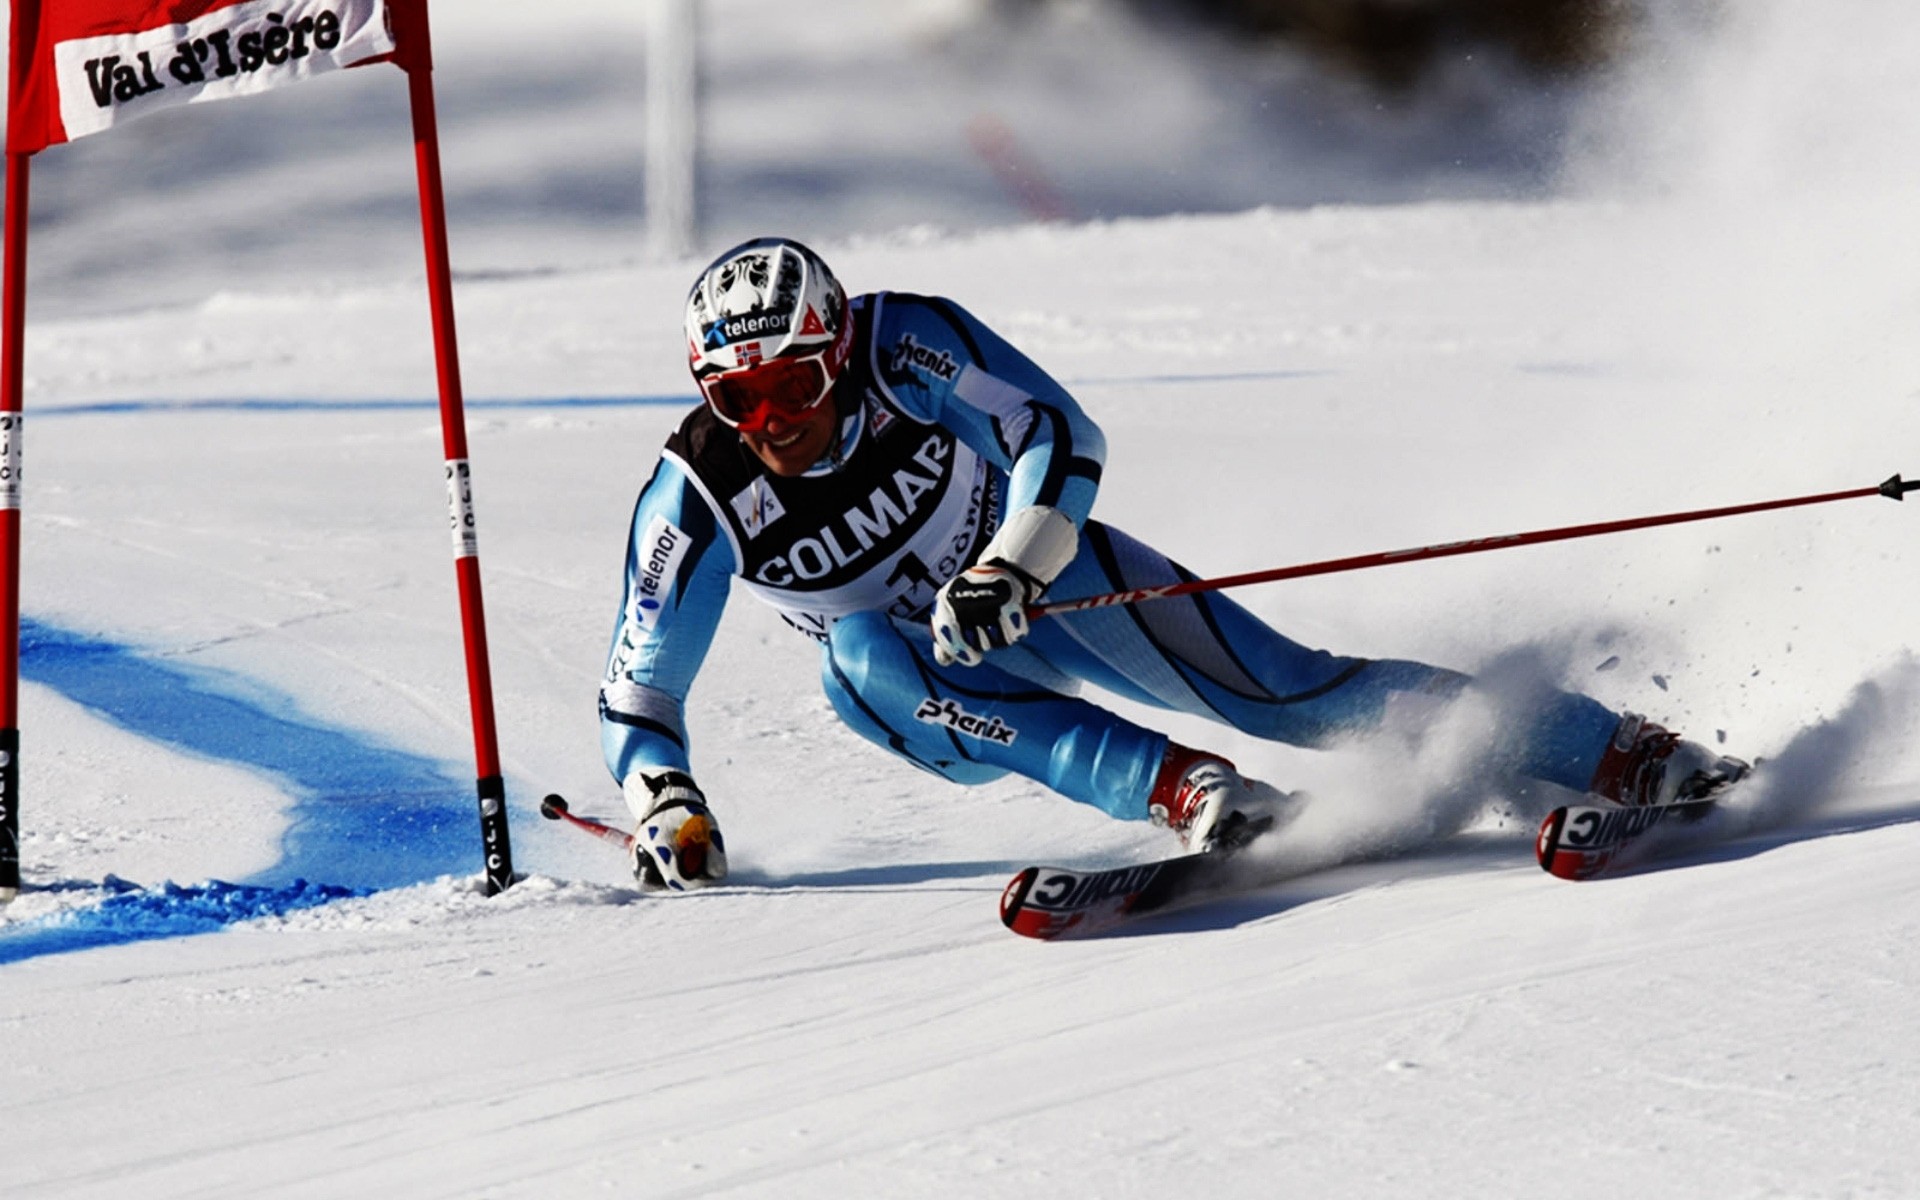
<point>899,483</point>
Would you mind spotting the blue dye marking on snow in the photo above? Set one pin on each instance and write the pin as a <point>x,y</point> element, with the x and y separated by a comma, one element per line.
<point>1569,370</point>
<point>268,404</point>
<point>365,816</point>
<point>1183,380</point>
<point>137,914</point>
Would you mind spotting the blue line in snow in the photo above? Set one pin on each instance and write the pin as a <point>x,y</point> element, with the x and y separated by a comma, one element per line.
<point>1182,380</point>
<point>364,816</point>
<point>269,404</point>
<point>298,404</point>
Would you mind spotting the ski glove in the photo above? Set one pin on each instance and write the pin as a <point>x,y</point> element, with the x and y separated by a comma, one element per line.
<point>981,609</point>
<point>677,844</point>
<point>985,606</point>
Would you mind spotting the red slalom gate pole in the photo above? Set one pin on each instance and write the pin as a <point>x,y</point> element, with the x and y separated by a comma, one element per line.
<point>1893,489</point>
<point>13,333</point>
<point>416,58</point>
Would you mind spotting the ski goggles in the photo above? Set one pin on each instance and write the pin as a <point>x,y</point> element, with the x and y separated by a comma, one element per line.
<point>788,387</point>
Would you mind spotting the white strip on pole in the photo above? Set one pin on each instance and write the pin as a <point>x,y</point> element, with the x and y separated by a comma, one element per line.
<point>673,125</point>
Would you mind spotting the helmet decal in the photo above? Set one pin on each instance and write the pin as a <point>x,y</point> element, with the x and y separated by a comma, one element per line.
<point>771,294</point>
<point>743,283</point>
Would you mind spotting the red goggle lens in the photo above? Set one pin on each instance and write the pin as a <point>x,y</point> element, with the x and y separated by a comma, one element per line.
<point>788,386</point>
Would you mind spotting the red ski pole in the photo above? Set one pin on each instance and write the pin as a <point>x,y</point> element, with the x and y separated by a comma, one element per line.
<point>554,808</point>
<point>1893,489</point>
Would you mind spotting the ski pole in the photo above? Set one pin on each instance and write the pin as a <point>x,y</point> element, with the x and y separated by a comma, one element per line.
<point>554,808</point>
<point>1893,489</point>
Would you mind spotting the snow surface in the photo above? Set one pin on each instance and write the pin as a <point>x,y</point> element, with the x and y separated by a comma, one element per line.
<point>244,670</point>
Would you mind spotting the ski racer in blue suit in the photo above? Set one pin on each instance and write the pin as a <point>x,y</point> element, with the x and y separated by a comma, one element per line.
<point>900,483</point>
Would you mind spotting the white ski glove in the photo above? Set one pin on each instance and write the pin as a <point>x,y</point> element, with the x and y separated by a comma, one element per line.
<point>677,844</point>
<point>985,606</point>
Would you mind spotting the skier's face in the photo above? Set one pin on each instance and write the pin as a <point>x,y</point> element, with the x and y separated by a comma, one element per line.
<point>791,443</point>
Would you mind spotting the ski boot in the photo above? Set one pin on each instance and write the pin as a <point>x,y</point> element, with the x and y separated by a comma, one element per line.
<point>1202,798</point>
<point>677,844</point>
<point>1646,764</point>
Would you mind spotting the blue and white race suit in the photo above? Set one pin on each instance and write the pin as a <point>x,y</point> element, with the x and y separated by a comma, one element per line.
<point>945,428</point>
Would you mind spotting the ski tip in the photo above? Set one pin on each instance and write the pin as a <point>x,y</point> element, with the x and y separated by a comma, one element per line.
<point>1013,898</point>
<point>1545,846</point>
<point>1038,920</point>
<point>1587,841</point>
<point>553,807</point>
<point>1563,861</point>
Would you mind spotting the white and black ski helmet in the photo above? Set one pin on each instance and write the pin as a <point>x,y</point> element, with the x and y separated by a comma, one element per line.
<point>762,300</point>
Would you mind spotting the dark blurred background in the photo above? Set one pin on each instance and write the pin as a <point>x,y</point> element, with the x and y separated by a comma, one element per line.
<point>1393,42</point>
<point>862,118</point>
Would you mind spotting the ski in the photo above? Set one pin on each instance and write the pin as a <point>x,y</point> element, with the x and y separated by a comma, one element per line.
<point>554,808</point>
<point>1586,841</point>
<point>1053,902</point>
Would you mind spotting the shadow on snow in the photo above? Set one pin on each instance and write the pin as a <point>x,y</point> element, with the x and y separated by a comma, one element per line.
<point>1478,852</point>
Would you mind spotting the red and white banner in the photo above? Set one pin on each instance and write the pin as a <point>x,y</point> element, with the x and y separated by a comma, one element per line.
<point>96,63</point>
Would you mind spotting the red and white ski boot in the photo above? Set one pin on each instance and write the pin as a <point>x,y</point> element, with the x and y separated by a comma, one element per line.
<point>1202,798</point>
<point>1646,764</point>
